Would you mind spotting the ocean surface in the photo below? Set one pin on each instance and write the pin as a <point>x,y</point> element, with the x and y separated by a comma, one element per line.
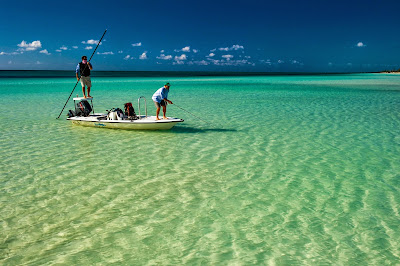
<point>280,170</point>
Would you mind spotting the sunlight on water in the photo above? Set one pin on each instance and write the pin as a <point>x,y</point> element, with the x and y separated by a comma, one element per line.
<point>281,170</point>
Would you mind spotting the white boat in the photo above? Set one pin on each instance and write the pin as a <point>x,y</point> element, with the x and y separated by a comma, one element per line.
<point>116,119</point>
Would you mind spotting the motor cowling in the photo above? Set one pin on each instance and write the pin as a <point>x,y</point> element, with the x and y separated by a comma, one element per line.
<point>83,108</point>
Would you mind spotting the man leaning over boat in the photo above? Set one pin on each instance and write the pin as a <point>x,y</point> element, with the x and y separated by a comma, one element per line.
<point>160,99</point>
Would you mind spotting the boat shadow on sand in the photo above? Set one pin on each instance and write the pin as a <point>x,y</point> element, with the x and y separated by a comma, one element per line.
<point>186,129</point>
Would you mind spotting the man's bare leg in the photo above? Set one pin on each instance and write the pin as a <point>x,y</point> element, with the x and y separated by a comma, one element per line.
<point>88,92</point>
<point>157,113</point>
<point>164,110</point>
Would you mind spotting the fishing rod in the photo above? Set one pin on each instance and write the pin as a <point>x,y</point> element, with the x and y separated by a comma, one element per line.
<point>81,72</point>
<point>191,114</point>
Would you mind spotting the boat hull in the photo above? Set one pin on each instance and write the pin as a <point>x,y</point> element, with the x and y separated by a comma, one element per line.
<point>145,123</point>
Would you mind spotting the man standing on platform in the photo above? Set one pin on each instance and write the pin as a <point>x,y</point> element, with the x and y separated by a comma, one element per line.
<point>83,69</point>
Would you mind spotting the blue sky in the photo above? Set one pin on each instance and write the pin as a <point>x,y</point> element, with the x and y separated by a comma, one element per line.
<point>305,36</point>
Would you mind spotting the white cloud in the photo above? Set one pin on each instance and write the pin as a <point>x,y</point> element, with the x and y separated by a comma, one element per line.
<point>127,57</point>
<point>281,61</point>
<point>92,42</point>
<point>230,62</point>
<point>184,49</point>
<point>162,51</point>
<point>228,56</point>
<point>106,53</point>
<point>13,53</point>
<point>211,55</point>
<point>297,62</point>
<point>38,63</point>
<point>201,63</point>
<point>360,44</point>
<point>75,47</point>
<point>62,48</point>
<point>213,50</point>
<point>178,63</point>
<point>212,60</point>
<point>88,47</point>
<point>233,47</point>
<point>143,56</point>
<point>237,47</point>
<point>120,52</point>
<point>267,62</point>
<point>45,52</point>
<point>9,62</point>
<point>164,57</point>
<point>136,44</point>
<point>195,51</point>
<point>30,46</point>
<point>180,58</point>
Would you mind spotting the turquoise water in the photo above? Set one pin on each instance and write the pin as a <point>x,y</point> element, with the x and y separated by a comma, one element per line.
<point>285,170</point>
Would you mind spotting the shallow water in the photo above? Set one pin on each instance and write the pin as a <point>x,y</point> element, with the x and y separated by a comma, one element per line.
<point>279,170</point>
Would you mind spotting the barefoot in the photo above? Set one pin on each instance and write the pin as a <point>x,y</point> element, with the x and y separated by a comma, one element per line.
<point>158,118</point>
<point>89,96</point>
<point>165,117</point>
<point>84,96</point>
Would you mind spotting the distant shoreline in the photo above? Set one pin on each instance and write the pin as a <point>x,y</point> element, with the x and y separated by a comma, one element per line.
<point>68,73</point>
<point>389,72</point>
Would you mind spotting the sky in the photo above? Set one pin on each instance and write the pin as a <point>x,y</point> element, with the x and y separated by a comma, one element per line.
<point>255,36</point>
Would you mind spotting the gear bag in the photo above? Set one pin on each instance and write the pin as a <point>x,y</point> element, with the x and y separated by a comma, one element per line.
<point>129,110</point>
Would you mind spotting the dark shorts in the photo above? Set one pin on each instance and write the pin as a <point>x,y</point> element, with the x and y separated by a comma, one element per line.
<point>162,103</point>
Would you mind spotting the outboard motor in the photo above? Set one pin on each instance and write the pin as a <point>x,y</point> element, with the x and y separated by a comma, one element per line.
<point>83,108</point>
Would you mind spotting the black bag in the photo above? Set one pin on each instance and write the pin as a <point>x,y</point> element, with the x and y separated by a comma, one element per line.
<point>83,108</point>
<point>129,111</point>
